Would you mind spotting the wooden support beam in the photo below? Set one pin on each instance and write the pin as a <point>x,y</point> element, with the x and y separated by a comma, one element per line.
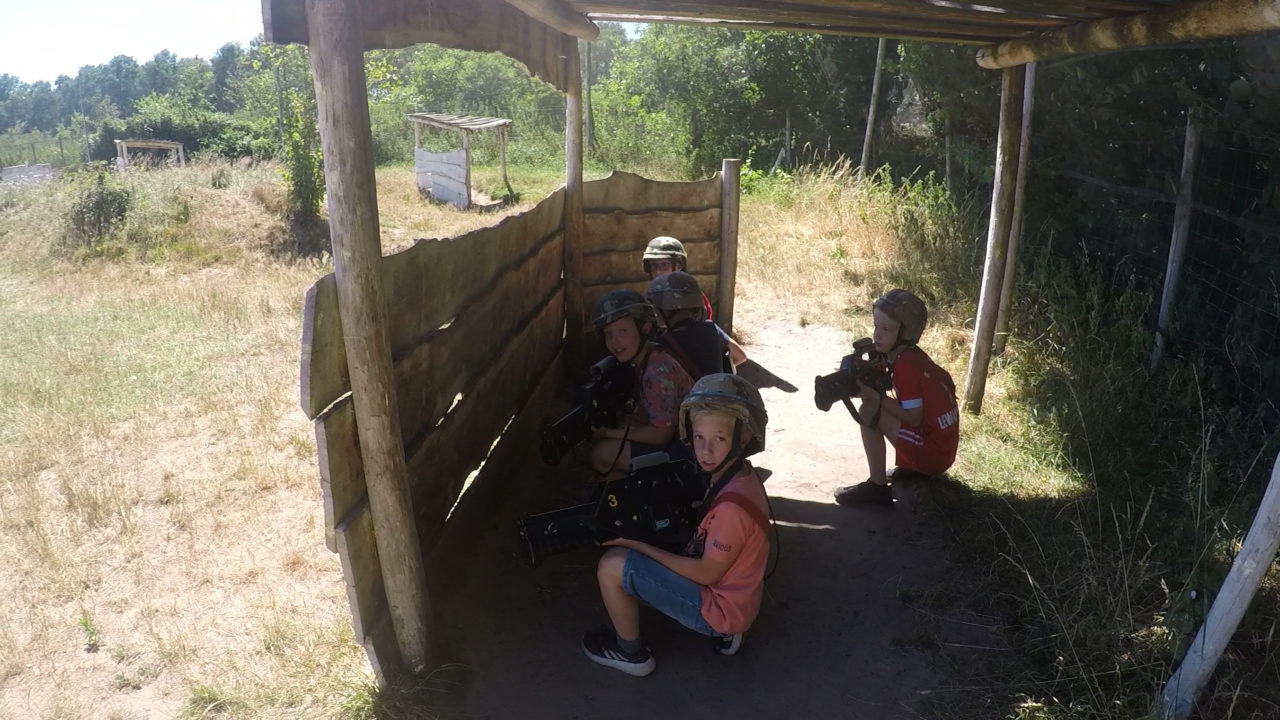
<point>1246,574</point>
<point>730,173</point>
<point>573,216</point>
<point>1178,241</point>
<point>337,63</point>
<point>1015,227</point>
<point>997,236</point>
<point>1190,20</point>
<point>556,14</point>
<point>871,110</point>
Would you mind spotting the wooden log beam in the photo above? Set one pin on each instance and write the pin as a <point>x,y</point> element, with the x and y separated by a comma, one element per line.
<point>730,174</point>
<point>573,204</point>
<point>1011,89</point>
<point>1015,227</point>
<point>337,63</point>
<point>556,14</point>
<point>1178,241</point>
<point>1246,574</point>
<point>1190,20</point>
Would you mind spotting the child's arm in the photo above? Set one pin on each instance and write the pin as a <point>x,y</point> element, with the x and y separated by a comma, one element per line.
<point>706,570</point>
<point>648,434</point>
<point>910,418</point>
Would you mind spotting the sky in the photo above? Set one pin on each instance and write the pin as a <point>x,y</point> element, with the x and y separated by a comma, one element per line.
<point>42,39</point>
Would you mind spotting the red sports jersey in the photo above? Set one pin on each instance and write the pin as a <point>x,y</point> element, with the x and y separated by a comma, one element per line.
<point>919,382</point>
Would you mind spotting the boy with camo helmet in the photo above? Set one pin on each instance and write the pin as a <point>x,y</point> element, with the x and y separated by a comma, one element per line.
<point>628,324</point>
<point>699,344</point>
<point>921,420</point>
<point>715,585</point>
<point>666,254</point>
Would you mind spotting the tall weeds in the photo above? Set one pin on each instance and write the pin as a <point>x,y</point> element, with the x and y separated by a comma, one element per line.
<point>1103,504</point>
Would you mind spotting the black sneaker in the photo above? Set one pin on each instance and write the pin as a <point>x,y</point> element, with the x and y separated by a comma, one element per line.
<point>601,646</point>
<point>729,644</point>
<point>865,493</point>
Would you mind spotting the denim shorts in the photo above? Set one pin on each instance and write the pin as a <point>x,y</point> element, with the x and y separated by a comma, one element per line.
<point>666,591</point>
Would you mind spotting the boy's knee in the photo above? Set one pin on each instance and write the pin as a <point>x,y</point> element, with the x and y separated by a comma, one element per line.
<point>609,571</point>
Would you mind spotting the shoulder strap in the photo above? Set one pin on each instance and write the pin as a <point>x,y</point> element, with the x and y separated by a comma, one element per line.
<point>751,509</point>
<point>667,341</point>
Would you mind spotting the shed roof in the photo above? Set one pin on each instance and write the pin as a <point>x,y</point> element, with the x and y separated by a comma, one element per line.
<point>982,22</point>
<point>458,122</point>
<point>538,32</point>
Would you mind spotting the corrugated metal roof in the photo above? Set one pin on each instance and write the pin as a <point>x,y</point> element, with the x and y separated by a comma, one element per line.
<point>459,122</point>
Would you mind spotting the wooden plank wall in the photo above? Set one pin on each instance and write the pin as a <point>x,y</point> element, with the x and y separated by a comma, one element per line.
<point>625,211</point>
<point>474,323</point>
<point>444,175</point>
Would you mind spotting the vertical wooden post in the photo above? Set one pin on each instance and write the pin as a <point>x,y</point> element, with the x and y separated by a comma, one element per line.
<point>502,153</point>
<point>573,220</point>
<point>786,140</point>
<point>589,129</point>
<point>1015,226</point>
<point>337,62</point>
<point>730,173</point>
<point>946,153</point>
<point>466,166</point>
<point>417,134</point>
<point>997,236</point>
<point>871,111</point>
<point>1246,574</point>
<point>182,157</point>
<point>1178,241</point>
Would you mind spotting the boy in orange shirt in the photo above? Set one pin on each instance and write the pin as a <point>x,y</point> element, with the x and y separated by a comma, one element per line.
<point>715,586</point>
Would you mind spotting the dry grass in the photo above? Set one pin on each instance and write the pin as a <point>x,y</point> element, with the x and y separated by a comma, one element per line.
<point>160,520</point>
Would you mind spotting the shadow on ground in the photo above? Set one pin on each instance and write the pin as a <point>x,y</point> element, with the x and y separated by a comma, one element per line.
<point>850,626</point>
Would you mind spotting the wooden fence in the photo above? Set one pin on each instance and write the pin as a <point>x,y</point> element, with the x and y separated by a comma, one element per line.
<point>476,326</point>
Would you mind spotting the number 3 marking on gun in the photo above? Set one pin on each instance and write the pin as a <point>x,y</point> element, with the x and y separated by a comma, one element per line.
<point>613,501</point>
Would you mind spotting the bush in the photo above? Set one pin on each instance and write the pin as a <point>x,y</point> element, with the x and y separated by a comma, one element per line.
<point>99,206</point>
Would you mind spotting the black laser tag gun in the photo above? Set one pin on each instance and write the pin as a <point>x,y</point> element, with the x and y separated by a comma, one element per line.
<point>605,400</point>
<point>658,502</point>
<point>863,365</point>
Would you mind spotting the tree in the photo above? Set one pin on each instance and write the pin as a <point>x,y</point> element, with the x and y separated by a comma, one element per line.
<point>230,64</point>
<point>160,75</point>
<point>122,83</point>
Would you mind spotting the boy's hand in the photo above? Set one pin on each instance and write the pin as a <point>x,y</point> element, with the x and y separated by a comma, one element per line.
<point>867,393</point>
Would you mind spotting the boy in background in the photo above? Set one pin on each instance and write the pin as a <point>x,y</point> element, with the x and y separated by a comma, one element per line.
<point>921,421</point>
<point>696,342</point>
<point>666,254</point>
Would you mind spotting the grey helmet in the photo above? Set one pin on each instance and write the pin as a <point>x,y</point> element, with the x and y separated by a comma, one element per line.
<point>677,292</point>
<point>730,394</point>
<point>908,310</point>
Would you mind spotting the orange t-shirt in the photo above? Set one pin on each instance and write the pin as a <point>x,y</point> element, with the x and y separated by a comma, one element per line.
<point>731,605</point>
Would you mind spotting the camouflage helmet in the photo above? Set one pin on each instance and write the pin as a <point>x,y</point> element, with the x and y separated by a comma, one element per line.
<point>908,310</point>
<point>617,304</point>
<point>664,247</point>
<point>677,291</point>
<point>729,394</point>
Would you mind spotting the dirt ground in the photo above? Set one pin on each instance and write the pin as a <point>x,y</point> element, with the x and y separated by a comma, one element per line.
<point>850,626</point>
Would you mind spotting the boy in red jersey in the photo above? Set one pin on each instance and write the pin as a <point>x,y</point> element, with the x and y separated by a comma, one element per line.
<point>921,421</point>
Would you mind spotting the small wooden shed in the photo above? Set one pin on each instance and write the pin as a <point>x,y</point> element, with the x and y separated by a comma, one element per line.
<point>393,339</point>
<point>123,146</point>
<point>447,175</point>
